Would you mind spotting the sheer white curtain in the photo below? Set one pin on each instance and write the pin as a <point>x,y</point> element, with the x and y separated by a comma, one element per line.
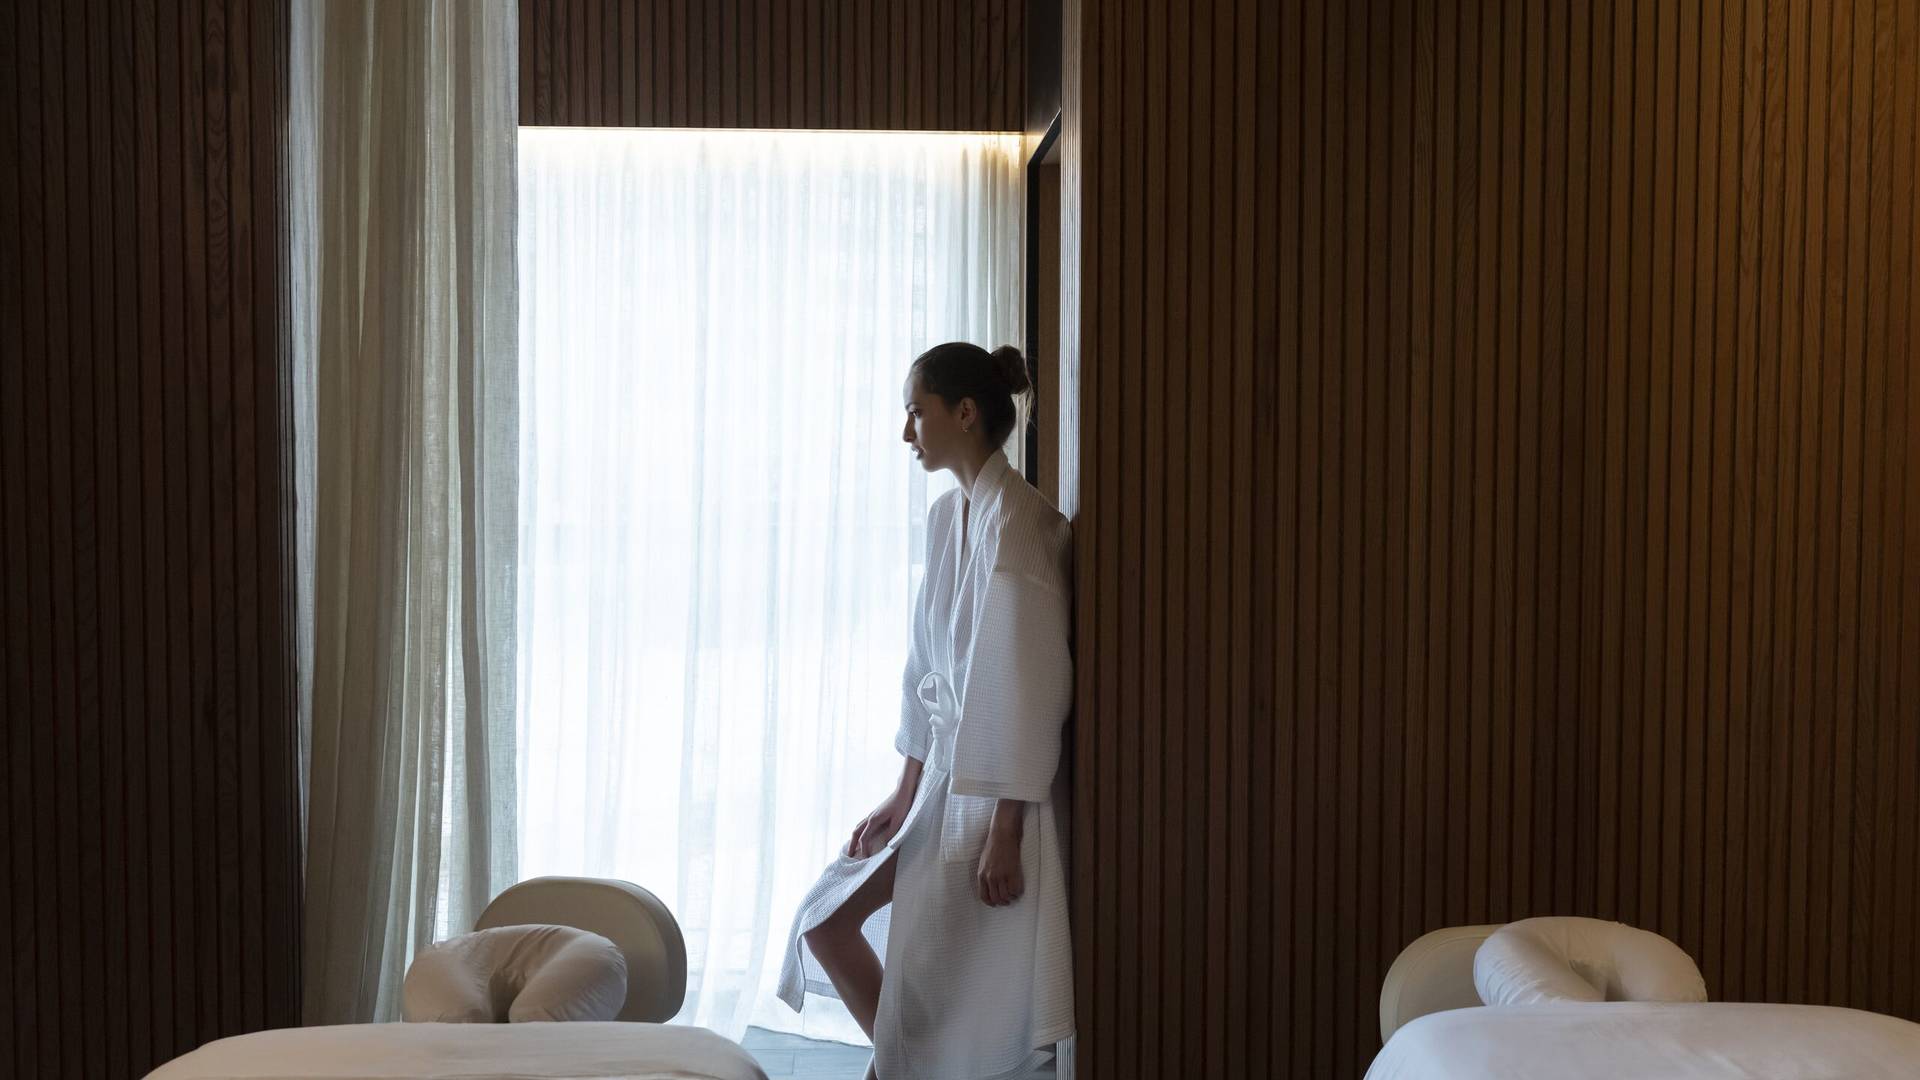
<point>720,528</point>
<point>404,338</point>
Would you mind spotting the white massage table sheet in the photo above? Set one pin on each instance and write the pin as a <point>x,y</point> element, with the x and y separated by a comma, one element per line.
<point>1628,1040</point>
<point>599,1051</point>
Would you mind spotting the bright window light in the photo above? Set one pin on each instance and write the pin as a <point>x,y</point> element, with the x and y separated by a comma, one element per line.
<point>721,530</point>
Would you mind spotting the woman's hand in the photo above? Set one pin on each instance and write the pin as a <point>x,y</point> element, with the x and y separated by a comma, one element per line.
<point>877,828</point>
<point>999,880</point>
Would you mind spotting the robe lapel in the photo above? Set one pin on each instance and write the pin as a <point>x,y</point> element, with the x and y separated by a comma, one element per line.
<point>980,533</point>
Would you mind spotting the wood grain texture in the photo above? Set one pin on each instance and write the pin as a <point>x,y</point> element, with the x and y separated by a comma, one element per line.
<point>150,803</point>
<point>922,65</point>
<point>1489,432</point>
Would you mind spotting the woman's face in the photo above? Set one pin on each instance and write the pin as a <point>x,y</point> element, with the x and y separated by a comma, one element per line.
<point>937,435</point>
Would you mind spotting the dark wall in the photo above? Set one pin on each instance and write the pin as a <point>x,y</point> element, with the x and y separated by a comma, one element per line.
<point>933,65</point>
<point>149,824</point>
<point>1498,495</point>
<point>1043,64</point>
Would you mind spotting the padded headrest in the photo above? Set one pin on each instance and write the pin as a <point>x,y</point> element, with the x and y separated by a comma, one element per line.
<point>1555,959</point>
<point>624,913</point>
<point>1432,975</point>
<point>516,973</point>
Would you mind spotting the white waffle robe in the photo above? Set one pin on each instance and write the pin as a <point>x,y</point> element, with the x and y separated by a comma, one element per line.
<point>972,992</point>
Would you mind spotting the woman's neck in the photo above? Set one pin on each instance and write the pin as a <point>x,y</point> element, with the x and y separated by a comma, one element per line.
<point>968,471</point>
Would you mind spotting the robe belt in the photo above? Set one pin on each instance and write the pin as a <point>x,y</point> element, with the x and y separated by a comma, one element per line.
<point>936,693</point>
<point>962,823</point>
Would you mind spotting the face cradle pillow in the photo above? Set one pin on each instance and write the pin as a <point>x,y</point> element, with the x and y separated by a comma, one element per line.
<point>516,973</point>
<point>1537,961</point>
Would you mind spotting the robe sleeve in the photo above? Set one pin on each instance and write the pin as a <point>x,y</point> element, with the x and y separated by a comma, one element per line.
<point>1019,685</point>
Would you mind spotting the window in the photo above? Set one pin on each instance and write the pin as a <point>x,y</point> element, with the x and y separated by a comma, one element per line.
<point>721,530</point>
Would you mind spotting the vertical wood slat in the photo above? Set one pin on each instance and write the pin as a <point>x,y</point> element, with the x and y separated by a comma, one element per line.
<point>1636,528</point>
<point>194,507</point>
<point>1532,762</point>
<point>28,667</point>
<point>1842,557</point>
<point>1657,338</point>
<point>864,59</point>
<point>136,880</point>
<point>1180,899</point>
<point>1127,546</point>
<point>562,30</point>
<point>946,67</point>
<point>1419,357</point>
<point>1256,144</point>
<point>714,36</point>
<point>17,1032</point>
<point>83,795</point>
<point>623,79</point>
<point>244,898</point>
<point>536,55</point>
<point>581,99</point>
<point>659,68</point>
<point>1901,488</point>
<point>61,500</point>
<point>1705,838</point>
<point>895,62</point>
<point>624,42</point>
<point>150,807</point>
<point>109,877</point>
<point>810,62</point>
<point>528,40</point>
<point>1867,984</point>
<point>1683,910</point>
<point>836,64</point>
<point>591,57</point>
<point>987,82</point>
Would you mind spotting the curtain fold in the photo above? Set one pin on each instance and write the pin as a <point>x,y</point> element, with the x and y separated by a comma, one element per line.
<point>406,339</point>
<point>721,528</point>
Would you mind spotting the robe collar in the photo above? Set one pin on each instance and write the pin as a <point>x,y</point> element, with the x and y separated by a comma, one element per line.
<point>989,478</point>
<point>982,497</point>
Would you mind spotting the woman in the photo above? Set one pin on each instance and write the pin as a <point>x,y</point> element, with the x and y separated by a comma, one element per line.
<point>978,978</point>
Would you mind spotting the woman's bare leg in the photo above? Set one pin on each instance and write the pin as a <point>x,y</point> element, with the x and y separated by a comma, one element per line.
<point>844,952</point>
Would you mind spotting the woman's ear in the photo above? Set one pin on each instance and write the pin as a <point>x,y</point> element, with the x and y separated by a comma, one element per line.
<point>967,414</point>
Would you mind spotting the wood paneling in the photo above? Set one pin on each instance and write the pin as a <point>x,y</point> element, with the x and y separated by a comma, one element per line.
<point>927,65</point>
<point>149,826</point>
<point>1042,46</point>
<point>1490,433</point>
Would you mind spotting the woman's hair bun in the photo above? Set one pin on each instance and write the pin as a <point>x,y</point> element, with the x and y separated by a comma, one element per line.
<point>994,380</point>
<point>1012,369</point>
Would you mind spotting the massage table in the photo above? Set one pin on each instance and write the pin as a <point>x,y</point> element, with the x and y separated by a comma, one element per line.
<point>1435,1028</point>
<point>606,1049</point>
<point>636,1045</point>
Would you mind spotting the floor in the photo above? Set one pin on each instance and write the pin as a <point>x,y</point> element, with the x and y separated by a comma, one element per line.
<point>790,1057</point>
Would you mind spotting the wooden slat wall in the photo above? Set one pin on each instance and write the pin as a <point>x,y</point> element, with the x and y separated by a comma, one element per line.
<point>929,65</point>
<point>149,823</point>
<point>1498,493</point>
<point>1042,46</point>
